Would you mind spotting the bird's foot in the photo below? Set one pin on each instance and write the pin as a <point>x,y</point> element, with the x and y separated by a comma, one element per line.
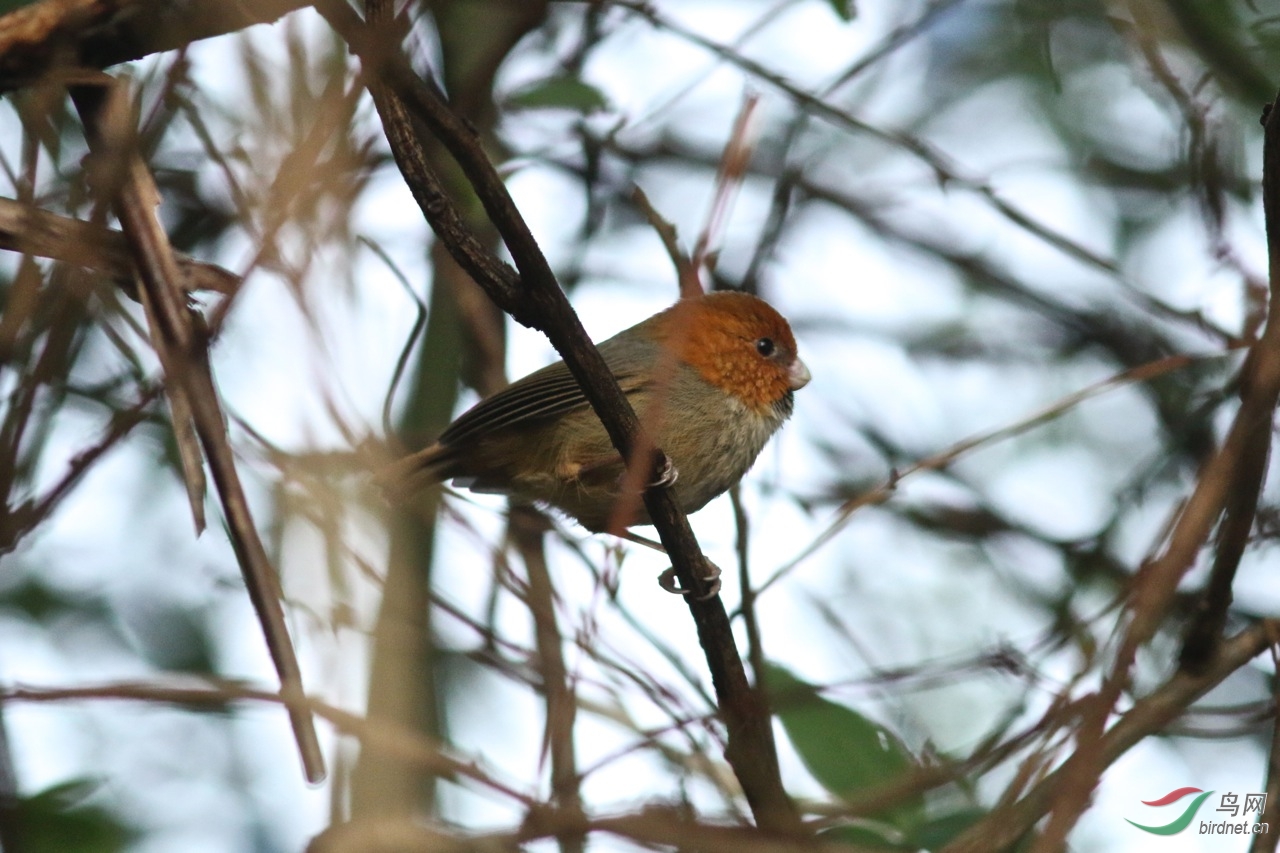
<point>668,581</point>
<point>667,474</point>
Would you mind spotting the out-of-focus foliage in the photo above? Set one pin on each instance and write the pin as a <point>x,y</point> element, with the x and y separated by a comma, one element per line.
<point>57,821</point>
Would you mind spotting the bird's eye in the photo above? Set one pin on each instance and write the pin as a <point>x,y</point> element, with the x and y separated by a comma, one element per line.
<point>766,347</point>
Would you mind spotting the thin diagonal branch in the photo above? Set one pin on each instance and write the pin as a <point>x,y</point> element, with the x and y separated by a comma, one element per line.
<point>1259,394</point>
<point>184,354</point>
<point>943,459</point>
<point>33,513</point>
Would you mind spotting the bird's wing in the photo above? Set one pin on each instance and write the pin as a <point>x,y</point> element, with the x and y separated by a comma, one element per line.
<point>544,393</point>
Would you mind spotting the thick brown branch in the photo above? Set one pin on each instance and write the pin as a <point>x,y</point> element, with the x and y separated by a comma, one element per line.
<point>54,34</point>
<point>1259,392</point>
<point>538,301</point>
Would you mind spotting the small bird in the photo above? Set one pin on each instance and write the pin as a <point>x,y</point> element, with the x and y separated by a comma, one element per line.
<point>728,387</point>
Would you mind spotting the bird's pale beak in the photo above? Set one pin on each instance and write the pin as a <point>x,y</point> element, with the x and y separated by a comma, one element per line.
<point>797,375</point>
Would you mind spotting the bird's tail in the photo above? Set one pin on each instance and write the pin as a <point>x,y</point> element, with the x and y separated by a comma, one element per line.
<point>413,473</point>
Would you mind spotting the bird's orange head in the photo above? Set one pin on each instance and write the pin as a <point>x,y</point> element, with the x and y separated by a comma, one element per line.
<point>737,343</point>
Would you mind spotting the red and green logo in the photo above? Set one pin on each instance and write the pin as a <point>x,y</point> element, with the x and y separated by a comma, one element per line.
<point>1184,819</point>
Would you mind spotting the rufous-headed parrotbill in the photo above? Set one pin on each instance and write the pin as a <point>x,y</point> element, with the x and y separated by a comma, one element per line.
<point>729,385</point>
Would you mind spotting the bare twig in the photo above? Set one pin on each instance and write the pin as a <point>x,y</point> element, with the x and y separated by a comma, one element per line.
<point>1204,151</point>
<point>215,694</point>
<point>1004,826</point>
<point>37,232</point>
<point>947,172</point>
<point>749,594</point>
<point>1224,484</point>
<point>1210,615</point>
<point>943,459</point>
<point>527,529</point>
<point>892,41</point>
<point>733,165</point>
<point>653,826</point>
<point>183,352</point>
<point>686,271</point>
<point>30,515</point>
<point>984,275</point>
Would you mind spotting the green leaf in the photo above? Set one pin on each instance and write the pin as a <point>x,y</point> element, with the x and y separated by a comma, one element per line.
<point>56,821</point>
<point>846,10</point>
<point>177,639</point>
<point>845,751</point>
<point>568,93</point>
<point>37,600</point>
<point>938,832</point>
